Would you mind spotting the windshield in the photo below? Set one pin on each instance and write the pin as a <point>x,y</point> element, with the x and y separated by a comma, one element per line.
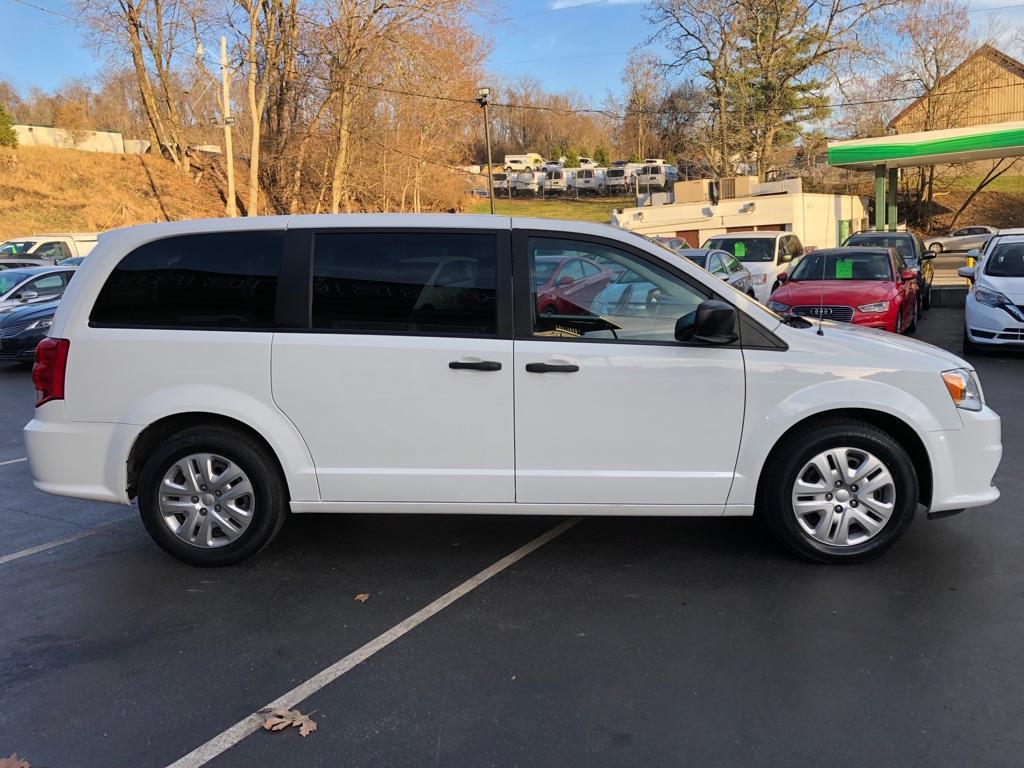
<point>1006,260</point>
<point>10,278</point>
<point>852,265</point>
<point>14,247</point>
<point>904,244</point>
<point>745,248</point>
<point>614,172</point>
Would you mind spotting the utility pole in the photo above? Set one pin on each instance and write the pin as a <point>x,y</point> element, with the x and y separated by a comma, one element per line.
<point>225,77</point>
<point>483,95</point>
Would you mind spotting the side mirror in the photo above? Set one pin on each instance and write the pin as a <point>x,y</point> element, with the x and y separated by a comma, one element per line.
<point>714,323</point>
<point>967,272</point>
<point>783,277</point>
<point>973,253</point>
<point>28,295</point>
<point>785,257</point>
<point>928,255</point>
<point>564,280</point>
<point>908,274</point>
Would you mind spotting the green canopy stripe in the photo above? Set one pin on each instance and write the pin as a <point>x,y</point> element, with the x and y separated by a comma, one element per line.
<point>872,153</point>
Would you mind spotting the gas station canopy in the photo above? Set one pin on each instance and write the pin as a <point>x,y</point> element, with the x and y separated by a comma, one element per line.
<point>885,155</point>
<point>957,145</point>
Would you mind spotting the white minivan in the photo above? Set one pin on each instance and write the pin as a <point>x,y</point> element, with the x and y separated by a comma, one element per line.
<point>230,372</point>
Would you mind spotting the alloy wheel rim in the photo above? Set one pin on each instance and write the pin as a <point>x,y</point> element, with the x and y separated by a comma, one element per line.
<point>843,497</point>
<point>206,500</point>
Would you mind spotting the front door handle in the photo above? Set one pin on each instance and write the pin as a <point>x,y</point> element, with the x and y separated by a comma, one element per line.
<point>552,368</point>
<point>483,365</point>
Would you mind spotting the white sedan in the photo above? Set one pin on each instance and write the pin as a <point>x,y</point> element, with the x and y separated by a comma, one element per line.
<point>994,313</point>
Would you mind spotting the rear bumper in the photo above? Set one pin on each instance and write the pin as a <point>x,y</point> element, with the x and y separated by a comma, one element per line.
<point>67,458</point>
<point>964,462</point>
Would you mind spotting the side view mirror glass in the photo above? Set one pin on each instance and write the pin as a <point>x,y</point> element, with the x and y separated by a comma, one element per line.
<point>714,322</point>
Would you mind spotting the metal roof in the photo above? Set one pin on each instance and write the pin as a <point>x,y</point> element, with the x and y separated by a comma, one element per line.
<point>957,145</point>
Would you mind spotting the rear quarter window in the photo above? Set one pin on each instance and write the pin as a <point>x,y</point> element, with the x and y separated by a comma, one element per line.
<point>222,281</point>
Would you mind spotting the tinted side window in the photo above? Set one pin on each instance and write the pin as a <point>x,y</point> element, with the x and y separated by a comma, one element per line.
<point>223,281</point>
<point>407,283</point>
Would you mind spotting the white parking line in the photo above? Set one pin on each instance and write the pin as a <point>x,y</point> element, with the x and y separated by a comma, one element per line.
<point>224,741</point>
<point>59,542</point>
<point>13,461</point>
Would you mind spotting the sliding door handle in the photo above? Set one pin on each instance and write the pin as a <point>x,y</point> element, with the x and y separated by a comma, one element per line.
<point>552,368</point>
<point>483,365</point>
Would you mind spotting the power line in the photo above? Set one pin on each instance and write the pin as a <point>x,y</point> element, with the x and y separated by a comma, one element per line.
<point>46,10</point>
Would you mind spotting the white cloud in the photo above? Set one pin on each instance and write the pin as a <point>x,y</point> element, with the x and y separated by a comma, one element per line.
<point>559,5</point>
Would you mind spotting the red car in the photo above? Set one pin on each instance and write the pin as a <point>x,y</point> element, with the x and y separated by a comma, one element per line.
<point>866,286</point>
<point>567,285</point>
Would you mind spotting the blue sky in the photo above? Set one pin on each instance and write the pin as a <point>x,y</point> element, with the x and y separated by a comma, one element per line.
<point>569,45</point>
<point>578,45</point>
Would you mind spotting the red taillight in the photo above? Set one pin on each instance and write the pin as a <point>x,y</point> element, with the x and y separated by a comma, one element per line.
<point>48,371</point>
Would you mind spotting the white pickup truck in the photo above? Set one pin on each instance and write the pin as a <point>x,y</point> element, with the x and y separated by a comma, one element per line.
<point>51,247</point>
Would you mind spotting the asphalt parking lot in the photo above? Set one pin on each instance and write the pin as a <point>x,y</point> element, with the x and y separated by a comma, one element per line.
<point>634,642</point>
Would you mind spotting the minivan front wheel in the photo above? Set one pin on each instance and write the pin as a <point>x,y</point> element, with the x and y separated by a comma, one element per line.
<point>211,496</point>
<point>841,491</point>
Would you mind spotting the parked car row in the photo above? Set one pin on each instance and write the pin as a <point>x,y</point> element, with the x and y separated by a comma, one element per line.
<point>875,279</point>
<point>28,302</point>
<point>532,176</point>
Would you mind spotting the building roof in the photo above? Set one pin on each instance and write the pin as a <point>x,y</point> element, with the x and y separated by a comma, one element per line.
<point>985,51</point>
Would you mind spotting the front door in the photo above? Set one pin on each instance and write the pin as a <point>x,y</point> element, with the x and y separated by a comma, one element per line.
<point>609,407</point>
<point>401,385</point>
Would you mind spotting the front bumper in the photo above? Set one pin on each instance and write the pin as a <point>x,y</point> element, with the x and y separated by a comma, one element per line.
<point>66,457</point>
<point>991,325</point>
<point>20,349</point>
<point>964,462</point>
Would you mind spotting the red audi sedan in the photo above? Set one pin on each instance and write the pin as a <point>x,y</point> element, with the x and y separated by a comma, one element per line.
<point>866,286</point>
<point>567,285</point>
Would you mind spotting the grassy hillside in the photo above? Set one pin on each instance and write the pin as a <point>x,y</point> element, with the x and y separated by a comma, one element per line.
<point>43,189</point>
<point>596,209</point>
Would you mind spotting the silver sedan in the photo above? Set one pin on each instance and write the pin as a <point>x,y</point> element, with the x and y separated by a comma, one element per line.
<point>963,239</point>
<point>723,265</point>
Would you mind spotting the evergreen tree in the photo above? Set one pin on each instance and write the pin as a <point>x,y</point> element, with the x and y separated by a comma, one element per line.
<point>8,138</point>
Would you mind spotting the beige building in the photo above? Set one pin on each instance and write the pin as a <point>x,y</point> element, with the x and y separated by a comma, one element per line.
<point>987,87</point>
<point>819,220</point>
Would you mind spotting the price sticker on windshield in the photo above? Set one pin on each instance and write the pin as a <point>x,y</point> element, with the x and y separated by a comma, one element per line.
<point>739,251</point>
<point>844,269</point>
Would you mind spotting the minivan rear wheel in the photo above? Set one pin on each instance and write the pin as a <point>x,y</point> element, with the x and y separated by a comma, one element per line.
<point>839,491</point>
<point>211,496</point>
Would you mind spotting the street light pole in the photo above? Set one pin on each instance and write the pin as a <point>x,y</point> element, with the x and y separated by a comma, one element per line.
<point>483,95</point>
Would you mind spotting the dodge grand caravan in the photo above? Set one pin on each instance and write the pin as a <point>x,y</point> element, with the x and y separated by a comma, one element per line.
<point>229,372</point>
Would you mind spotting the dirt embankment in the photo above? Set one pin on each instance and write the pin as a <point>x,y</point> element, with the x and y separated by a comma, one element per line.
<point>43,189</point>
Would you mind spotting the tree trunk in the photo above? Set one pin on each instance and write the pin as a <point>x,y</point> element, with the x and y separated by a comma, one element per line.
<point>146,91</point>
<point>339,190</point>
<point>255,115</point>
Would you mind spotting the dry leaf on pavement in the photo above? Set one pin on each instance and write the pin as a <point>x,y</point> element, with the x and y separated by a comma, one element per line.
<point>280,719</point>
<point>13,762</point>
<point>362,597</point>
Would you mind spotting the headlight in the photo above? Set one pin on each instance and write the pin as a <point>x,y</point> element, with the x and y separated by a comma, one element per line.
<point>964,388</point>
<point>46,322</point>
<point>878,306</point>
<point>998,300</point>
<point>761,279</point>
<point>776,306</point>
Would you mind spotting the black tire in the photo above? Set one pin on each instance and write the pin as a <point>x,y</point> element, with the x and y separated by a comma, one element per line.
<point>775,505</point>
<point>913,323</point>
<point>269,489</point>
<point>970,348</point>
